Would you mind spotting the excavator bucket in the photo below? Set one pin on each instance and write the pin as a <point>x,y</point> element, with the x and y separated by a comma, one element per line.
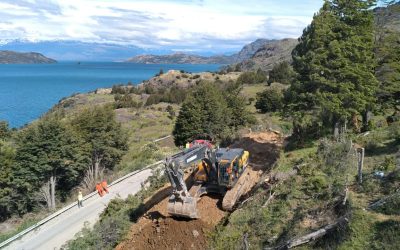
<point>186,207</point>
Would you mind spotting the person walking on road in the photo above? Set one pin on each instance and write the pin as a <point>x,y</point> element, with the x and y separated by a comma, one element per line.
<point>99,189</point>
<point>104,186</point>
<point>80,199</point>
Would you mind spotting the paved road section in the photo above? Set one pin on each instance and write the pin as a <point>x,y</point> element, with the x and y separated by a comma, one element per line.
<point>59,230</point>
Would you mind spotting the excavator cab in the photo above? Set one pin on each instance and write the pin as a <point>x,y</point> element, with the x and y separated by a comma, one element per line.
<point>231,164</point>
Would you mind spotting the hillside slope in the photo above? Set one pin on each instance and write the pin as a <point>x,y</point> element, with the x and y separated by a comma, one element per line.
<point>269,54</point>
<point>388,18</point>
<point>9,57</point>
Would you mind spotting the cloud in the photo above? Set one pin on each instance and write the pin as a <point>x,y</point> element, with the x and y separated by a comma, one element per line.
<point>187,25</point>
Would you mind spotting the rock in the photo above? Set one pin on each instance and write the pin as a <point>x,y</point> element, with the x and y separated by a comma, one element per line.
<point>103,91</point>
<point>195,233</point>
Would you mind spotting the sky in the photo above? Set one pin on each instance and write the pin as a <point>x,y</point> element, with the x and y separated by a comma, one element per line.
<point>185,25</point>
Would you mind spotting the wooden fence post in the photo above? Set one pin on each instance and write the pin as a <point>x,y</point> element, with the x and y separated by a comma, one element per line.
<point>360,154</point>
<point>336,132</point>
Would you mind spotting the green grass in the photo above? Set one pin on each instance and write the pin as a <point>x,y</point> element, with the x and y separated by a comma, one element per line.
<point>270,120</point>
<point>288,160</point>
<point>251,90</point>
<point>147,125</point>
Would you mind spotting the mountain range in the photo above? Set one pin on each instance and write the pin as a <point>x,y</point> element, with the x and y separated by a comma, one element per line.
<point>270,53</point>
<point>182,58</point>
<point>262,53</point>
<point>77,51</point>
<point>12,57</point>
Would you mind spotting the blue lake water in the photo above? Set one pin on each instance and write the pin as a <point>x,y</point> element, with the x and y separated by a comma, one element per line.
<point>29,90</point>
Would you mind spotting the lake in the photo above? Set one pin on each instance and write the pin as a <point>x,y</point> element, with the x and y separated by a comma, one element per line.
<point>29,90</point>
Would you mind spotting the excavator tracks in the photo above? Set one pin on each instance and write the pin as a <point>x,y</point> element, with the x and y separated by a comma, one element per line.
<point>246,182</point>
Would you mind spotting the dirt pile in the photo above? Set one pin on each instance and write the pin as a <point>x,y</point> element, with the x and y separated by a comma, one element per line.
<point>169,233</point>
<point>157,230</point>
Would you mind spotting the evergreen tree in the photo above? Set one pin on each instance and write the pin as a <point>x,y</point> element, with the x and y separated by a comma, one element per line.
<point>203,112</point>
<point>236,103</point>
<point>387,52</point>
<point>188,123</point>
<point>47,153</point>
<point>104,134</point>
<point>270,100</point>
<point>4,130</point>
<point>388,70</point>
<point>7,159</point>
<point>335,65</point>
<point>282,73</point>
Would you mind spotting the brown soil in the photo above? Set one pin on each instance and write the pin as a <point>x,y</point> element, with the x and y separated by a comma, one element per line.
<point>263,147</point>
<point>158,230</point>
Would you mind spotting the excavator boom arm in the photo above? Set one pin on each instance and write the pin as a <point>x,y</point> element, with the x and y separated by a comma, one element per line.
<point>180,202</point>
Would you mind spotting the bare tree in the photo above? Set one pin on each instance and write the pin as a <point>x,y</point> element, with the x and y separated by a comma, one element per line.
<point>47,193</point>
<point>93,174</point>
<point>52,181</point>
<point>44,194</point>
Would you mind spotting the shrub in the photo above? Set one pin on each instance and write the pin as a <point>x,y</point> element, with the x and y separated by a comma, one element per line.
<point>387,235</point>
<point>171,112</point>
<point>4,130</point>
<point>247,78</point>
<point>282,73</point>
<point>149,90</point>
<point>135,90</point>
<point>391,207</point>
<point>270,100</point>
<point>251,100</point>
<point>125,101</point>
<point>119,89</point>
<point>171,95</point>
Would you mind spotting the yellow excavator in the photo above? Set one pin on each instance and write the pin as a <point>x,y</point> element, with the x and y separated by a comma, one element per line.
<point>213,170</point>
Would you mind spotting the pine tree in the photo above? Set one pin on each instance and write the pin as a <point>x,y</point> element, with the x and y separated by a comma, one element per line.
<point>236,104</point>
<point>270,100</point>
<point>203,112</point>
<point>387,52</point>
<point>335,66</point>
<point>188,123</point>
<point>282,73</point>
